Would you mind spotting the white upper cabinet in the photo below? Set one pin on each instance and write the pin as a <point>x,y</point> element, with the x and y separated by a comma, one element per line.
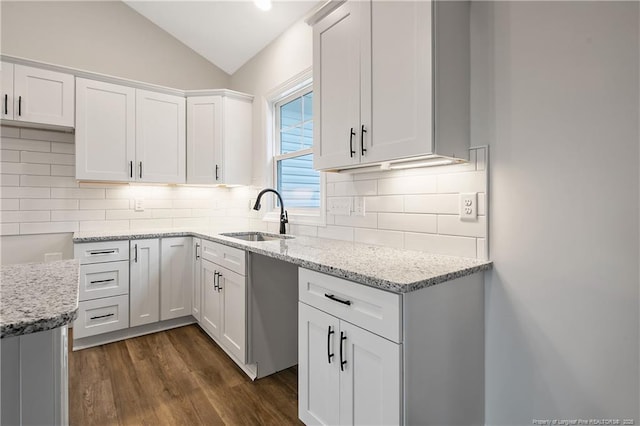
<point>219,139</point>
<point>37,95</point>
<point>160,137</point>
<point>129,135</point>
<point>391,82</point>
<point>105,131</point>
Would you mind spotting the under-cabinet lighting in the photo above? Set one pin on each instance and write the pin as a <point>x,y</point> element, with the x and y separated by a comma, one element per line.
<point>263,4</point>
<point>427,163</point>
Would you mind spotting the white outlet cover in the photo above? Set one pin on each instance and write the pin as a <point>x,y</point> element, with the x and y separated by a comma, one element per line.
<point>340,206</point>
<point>138,205</point>
<point>469,206</point>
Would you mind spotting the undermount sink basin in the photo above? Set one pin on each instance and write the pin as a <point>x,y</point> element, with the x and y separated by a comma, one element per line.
<point>256,236</point>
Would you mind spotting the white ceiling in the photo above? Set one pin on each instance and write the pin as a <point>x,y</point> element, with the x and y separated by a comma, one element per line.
<point>227,33</point>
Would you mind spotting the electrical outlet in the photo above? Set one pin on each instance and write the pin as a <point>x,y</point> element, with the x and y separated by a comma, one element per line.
<point>340,206</point>
<point>469,206</point>
<point>358,206</point>
<point>138,205</point>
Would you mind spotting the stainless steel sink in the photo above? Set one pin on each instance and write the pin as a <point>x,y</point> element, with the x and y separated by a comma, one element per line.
<point>256,236</point>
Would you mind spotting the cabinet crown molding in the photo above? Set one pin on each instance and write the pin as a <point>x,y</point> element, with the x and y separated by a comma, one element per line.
<point>122,81</point>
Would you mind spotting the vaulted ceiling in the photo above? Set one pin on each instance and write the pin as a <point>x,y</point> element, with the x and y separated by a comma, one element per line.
<point>226,33</point>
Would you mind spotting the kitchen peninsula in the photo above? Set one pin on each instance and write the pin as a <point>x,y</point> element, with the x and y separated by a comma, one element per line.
<point>37,302</point>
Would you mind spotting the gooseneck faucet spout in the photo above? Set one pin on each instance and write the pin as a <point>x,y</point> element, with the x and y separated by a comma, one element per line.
<point>284,218</point>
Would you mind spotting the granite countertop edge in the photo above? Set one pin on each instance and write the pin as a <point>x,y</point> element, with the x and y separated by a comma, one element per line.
<point>30,306</point>
<point>368,280</point>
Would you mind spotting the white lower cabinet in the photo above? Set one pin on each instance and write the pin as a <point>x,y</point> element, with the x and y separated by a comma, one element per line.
<point>347,375</point>
<point>145,281</point>
<point>175,277</point>
<point>196,288</point>
<point>224,300</point>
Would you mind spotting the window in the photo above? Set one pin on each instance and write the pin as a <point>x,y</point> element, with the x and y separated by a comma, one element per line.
<point>294,177</point>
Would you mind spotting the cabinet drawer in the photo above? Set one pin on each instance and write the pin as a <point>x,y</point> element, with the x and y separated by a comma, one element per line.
<point>229,257</point>
<point>103,251</point>
<point>375,310</point>
<point>101,316</point>
<point>103,280</point>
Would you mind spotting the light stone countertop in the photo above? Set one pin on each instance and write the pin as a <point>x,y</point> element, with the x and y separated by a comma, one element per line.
<point>392,269</point>
<point>38,296</point>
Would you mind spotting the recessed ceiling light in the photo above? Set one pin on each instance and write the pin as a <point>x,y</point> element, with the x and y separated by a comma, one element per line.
<point>263,4</point>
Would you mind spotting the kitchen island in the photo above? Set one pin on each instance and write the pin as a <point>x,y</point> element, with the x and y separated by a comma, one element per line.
<point>37,302</point>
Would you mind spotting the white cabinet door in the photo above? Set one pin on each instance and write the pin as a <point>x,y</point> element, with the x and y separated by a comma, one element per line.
<point>233,334</point>
<point>318,367</point>
<point>7,90</point>
<point>105,131</point>
<point>144,290</point>
<point>43,96</point>
<point>336,86</point>
<point>211,299</point>
<point>219,140</point>
<point>196,282</point>
<point>397,93</point>
<point>160,138</point>
<point>370,391</point>
<point>204,139</point>
<point>175,277</point>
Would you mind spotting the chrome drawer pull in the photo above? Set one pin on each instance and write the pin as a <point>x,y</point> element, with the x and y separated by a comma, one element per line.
<point>103,316</point>
<point>337,299</point>
<point>102,281</point>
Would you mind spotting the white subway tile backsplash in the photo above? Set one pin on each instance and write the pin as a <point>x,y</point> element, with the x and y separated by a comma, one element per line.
<point>25,169</point>
<point>48,204</point>
<point>190,222</point>
<point>46,135</point>
<point>25,145</point>
<point>49,181</point>
<point>24,216</point>
<point>441,244</point>
<point>10,156</point>
<point>462,182</point>
<point>67,215</point>
<point>150,223</point>
<point>9,132</point>
<point>306,230</point>
<point>48,227</point>
<point>104,204</point>
<point>386,203</point>
<point>360,188</point>
<point>25,192</point>
<point>432,203</point>
<point>188,204</point>
<point>46,158</point>
<point>104,225</point>
<point>63,148</point>
<point>379,237</point>
<point>58,170</point>
<point>9,180</point>
<point>128,214</point>
<point>77,193</point>
<point>482,204</point>
<point>343,233</point>
<point>481,251</point>
<point>452,225</point>
<point>9,204</point>
<point>9,229</point>
<point>408,222</point>
<point>407,185</point>
<point>368,221</point>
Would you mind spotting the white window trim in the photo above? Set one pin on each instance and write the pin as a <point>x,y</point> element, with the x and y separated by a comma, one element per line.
<point>297,216</point>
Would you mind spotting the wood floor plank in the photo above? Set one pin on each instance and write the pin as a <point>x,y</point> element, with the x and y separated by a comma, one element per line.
<point>174,377</point>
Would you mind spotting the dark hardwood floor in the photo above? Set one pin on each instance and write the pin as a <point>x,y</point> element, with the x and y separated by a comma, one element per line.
<point>175,377</point>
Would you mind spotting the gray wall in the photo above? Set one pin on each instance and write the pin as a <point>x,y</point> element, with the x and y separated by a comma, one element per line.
<point>106,37</point>
<point>559,102</point>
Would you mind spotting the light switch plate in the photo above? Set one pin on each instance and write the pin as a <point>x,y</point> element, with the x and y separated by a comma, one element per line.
<point>340,206</point>
<point>138,205</point>
<point>469,206</point>
<point>358,206</point>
